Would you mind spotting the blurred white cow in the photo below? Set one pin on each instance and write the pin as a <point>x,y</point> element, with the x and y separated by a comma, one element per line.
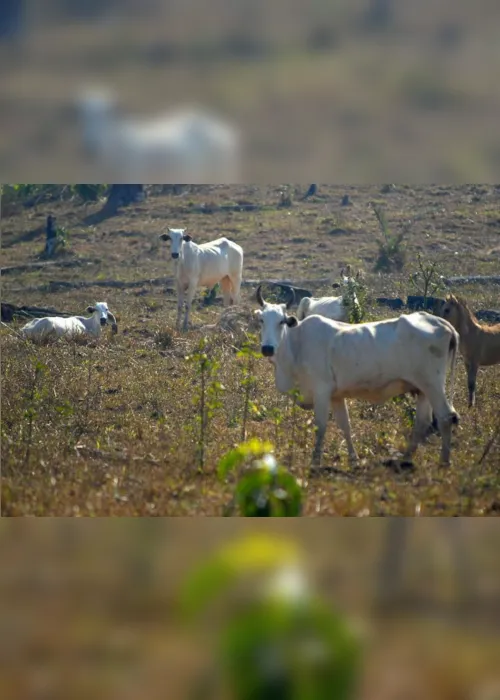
<point>185,145</point>
<point>204,265</point>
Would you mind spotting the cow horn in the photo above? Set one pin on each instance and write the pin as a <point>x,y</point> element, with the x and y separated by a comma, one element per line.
<point>258,294</point>
<point>291,298</point>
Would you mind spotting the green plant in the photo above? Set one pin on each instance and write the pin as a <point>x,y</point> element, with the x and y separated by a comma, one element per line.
<point>248,354</point>
<point>283,641</point>
<point>263,488</point>
<point>391,249</point>
<point>354,298</point>
<point>34,398</point>
<point>210,295</point>
<point>207,398</point>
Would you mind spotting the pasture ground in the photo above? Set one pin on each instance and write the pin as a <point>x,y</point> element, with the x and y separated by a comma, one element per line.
<point>109,427</point>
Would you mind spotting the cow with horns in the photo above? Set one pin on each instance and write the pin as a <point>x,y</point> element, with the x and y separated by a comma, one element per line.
<point>330,361</point>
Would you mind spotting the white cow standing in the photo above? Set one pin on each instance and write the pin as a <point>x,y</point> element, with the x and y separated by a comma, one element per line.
<point>329,362</point>
<point>204,265</point>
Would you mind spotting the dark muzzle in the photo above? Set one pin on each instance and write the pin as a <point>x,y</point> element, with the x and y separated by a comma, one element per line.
<point>267,350</point>
<point>103,321</point>
<point>175,255</point>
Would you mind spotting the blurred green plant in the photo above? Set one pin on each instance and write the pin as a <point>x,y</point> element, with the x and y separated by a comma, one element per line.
<point>29,193</point>
<point>284,642</point>
<point>263,487</point>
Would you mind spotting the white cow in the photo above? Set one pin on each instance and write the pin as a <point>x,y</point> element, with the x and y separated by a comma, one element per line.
<point>334,308</point>
<point>183,143</point>
<point>329,362</point>
<point>204,265</point>
<point>52,327</point>
<point>329,307</point>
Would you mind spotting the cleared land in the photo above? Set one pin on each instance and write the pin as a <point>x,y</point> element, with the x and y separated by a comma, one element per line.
<point>110,428</point>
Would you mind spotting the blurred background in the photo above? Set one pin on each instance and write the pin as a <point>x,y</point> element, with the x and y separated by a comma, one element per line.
<point>340,90</point>
<point>92,609</point>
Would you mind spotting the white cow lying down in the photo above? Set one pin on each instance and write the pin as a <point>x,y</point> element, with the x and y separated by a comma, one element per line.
<point>329,362</point>
<point>204,265</point>
<point>52,327</point>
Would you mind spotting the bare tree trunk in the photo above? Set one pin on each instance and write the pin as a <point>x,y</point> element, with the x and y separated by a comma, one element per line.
<point>51,236</point>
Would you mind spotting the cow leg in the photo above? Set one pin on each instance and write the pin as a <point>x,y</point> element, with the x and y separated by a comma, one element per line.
<point>191,291</point>
<point>180,304</point>
<point>321,411</point>
<point>341,415</point>
<point>471,382</point>
<point>446,417</point>
<point>236,286</point>
<point>423,419</point>
<point>225,284</point>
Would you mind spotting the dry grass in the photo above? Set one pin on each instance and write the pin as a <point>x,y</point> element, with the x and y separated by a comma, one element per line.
<point>110,428</point>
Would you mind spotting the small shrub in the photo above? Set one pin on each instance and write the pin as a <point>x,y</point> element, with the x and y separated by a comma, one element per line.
<point>427,279</point>
<point>263,488</point>
<point>164,339</point>
<point>207,397</point>
<point>391,249</point>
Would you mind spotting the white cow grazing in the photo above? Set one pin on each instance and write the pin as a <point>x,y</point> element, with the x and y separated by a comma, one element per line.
<point>204,265</point>
<point>52,327</point>
<point>329,362</point>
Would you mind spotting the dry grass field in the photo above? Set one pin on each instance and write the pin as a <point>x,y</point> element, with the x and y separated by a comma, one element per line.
<point>110,427</point>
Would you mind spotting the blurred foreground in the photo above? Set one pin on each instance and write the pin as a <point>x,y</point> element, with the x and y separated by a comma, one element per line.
<point>91,609</point>
<point>372,90</point>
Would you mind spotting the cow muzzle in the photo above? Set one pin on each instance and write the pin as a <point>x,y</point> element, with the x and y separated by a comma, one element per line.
<point>103,321</point>
<point>175,256</point>
<point>267,350</point>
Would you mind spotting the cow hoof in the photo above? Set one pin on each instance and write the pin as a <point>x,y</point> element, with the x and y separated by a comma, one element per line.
<point>315,471</point>
<point>406,464</point>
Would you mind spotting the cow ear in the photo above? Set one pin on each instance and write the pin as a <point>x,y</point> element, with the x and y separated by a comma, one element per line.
<point>291,321</point>
<point>164,236</point>
<point>186,237</point>
<point>90,309</point>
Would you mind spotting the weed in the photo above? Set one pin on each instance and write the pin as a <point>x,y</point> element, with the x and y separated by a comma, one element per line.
<point>207,399</point>
<point>427,279</point>
<point>391,249</point>
<point>248,354</point>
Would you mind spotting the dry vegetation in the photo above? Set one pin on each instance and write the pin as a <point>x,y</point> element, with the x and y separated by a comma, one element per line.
<point>110,427</point>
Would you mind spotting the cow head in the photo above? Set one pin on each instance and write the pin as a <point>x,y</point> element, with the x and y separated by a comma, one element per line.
<point>104,314</point>
<point>273,319</point>
<point>176,237</point>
